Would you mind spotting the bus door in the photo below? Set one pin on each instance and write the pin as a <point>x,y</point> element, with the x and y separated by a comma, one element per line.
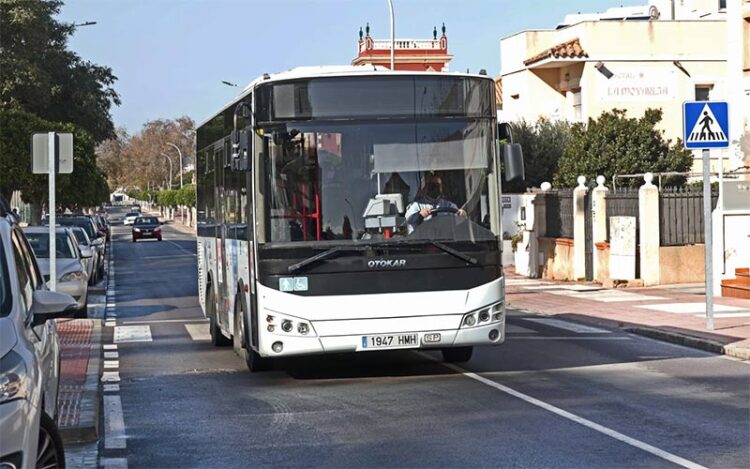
<point>221,236</point>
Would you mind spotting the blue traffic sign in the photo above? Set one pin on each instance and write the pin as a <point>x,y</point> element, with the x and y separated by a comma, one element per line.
<point>705,124</point>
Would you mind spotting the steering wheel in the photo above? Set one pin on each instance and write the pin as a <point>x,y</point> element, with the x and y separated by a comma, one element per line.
<point>452,210</point>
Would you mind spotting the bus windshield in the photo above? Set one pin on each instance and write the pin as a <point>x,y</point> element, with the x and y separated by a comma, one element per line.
<point>379,180</point>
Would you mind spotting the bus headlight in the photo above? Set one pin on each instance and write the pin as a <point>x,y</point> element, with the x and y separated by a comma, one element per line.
<point>281,324</point>
<point>483,316</point>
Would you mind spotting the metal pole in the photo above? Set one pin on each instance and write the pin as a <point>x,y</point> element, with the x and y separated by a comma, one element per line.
<point>51,148</point>
<point>393,37</point>
<point>708,244</point>
<point>179,153</point>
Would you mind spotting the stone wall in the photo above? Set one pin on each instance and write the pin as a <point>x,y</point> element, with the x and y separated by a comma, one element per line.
<point>682,264</point>
<point>558,259</point>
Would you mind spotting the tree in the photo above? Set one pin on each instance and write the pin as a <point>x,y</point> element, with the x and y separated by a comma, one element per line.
<point>85,187</point>
<point>615,144</point>
<point>111,159</point>
<point>543,144</point>
<point>41,76</point>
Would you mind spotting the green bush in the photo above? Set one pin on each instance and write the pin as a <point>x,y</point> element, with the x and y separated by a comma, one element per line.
<point>615,144</point>
<point>543,143</point>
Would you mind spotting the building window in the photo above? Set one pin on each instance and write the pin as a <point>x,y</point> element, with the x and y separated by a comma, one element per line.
<point>577,114</point>
<point>703,92</point>
<point>722,5</point>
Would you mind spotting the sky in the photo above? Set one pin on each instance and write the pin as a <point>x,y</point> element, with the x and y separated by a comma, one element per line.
<point>170,56</point>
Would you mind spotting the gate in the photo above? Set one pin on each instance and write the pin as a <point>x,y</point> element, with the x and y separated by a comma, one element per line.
<point>589,234</point>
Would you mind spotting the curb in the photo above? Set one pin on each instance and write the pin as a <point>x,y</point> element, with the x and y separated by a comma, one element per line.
<point>87,429</point>
<point>700,343</point>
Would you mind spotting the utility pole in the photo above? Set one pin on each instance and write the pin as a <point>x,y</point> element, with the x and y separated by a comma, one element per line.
<point>179,153</point>
<point>393,37</point>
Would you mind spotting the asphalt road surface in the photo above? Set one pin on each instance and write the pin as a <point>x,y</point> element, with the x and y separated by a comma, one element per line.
<point>554,395</point>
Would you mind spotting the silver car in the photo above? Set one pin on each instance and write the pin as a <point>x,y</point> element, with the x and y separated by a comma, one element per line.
<point>87,251</point>
<point>72,277</point>
<point>29,357</point>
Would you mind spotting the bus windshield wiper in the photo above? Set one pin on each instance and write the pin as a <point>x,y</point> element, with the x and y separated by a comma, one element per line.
<point>455,253</point>
<point>322,255</point>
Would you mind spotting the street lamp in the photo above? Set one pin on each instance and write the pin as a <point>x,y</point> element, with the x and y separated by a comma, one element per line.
<point>87,23</point>
<point>170,169</point>
<point>229,83</point>
<point>393,39</point>
<point>179,153</point>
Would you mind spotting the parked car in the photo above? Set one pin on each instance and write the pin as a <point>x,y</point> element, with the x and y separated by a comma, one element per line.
<point>146,227</point>
<point>29,356</point>
<point>105,223</point>
<point>135,208</point>
<point>97,239</point>
<point>71,270</point>
<point>130,218</point>
<point>84,244</point>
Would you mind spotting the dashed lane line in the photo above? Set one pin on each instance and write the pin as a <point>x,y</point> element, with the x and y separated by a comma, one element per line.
<point>574,418</point>
<point>181,248</point>
<point>114,424</point>
<point>198,332</point>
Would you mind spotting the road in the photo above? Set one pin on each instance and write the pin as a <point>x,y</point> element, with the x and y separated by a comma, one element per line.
<point>554,395</point>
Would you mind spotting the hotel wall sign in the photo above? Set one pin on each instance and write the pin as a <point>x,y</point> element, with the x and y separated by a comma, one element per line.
<point>637,84</point>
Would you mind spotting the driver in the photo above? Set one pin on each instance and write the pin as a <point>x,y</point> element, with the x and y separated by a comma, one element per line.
<point>429,199</point>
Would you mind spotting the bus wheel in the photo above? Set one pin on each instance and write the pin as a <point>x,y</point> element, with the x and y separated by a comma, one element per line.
<point>217,338</point>
<point>253,361</point>
<point>457,354</point>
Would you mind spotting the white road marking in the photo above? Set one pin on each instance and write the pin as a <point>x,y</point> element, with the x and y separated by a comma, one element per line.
<point>132,334</point>
<point>572,287</point>
<point>568,326</point>
<point>575,418</point>
<point>727,315</point>
<point>111,355</point>
<point>110,347</point>
<point>162,321</point>
<point>198,332</point>
<point>524,281</point>
<point>110,323</point>
<point>606,296</point>
<point>111,388</point>
<point>114,424</point>
<point>180,247</point>
<point>110,377</point>
<point>689,308</point>
<point>111,364</point>
<point>114,463</point>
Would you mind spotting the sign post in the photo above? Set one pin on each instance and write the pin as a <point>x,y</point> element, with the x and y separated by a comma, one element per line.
<point>52,153</point>
<point>706,126</point>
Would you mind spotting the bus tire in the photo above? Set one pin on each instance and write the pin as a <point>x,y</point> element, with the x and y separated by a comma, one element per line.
<point>251,358</point>
<point>217,337</point>
<point>457,354</point>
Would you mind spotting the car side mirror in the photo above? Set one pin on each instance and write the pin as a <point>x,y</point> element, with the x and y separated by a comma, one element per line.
<point>50,305</point>
<point>513,162</point>
<point>504,132</point>
<point>85,251</point>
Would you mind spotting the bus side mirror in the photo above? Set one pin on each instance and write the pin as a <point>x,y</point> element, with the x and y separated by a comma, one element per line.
<point>504,132</point>
<point>513,162</point>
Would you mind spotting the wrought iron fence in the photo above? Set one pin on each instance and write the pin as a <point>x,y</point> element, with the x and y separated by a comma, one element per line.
<point>559,213</point>
<point>623,203</point>
<point>681,215</point>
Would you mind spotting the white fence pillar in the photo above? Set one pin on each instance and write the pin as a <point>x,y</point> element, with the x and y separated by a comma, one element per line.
<point>599,219</point>
<point>579,229</point>
<point>648,218</point>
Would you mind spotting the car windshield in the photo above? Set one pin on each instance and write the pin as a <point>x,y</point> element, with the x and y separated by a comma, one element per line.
<point>6,299</point>
<point>146,221</point>
<point>371,180</point>
<point>40,244</point>
<point>84,223</point>
<point>81,236</point>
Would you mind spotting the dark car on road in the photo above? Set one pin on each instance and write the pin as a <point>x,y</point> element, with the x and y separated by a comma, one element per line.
<point>146,227</point>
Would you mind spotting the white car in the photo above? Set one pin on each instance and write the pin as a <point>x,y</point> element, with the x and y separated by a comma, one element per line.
<point>130,218</point>
<point>29,356</point>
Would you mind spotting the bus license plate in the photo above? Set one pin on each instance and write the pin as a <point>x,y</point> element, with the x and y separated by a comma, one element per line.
<point>388,341</point>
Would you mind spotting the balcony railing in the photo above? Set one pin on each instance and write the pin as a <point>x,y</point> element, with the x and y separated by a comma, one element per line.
<point>402,44</point>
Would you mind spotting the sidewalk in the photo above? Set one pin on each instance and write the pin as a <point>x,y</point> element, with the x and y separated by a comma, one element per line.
<point>672,314</point>
<point>176,223</point>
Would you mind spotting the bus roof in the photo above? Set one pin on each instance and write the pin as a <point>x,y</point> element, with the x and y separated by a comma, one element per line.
<point>330,71</point>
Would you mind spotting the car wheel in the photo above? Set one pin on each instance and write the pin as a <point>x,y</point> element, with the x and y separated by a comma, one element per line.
<point>217,338</point>
<point>457,354</point>
<point>134,240</point>
<point>50,451</point>
<point>251,358</point>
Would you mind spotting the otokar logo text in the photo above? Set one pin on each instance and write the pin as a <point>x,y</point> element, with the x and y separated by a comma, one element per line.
<point>386,263</point>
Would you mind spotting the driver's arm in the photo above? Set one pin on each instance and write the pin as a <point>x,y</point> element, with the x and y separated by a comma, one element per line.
<point>413,215</point>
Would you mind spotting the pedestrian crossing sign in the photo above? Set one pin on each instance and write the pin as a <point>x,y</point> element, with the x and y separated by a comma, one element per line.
<point>705,124</point>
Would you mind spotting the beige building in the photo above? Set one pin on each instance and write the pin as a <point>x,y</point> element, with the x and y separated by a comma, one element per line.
<point>653,56</point>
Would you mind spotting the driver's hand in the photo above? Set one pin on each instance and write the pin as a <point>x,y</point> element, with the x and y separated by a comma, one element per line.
<point>425,212</point>
<point>461,212</point>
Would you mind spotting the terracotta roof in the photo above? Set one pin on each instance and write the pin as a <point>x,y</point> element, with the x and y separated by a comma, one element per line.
<point>499,92</point>
<point>567,50</point>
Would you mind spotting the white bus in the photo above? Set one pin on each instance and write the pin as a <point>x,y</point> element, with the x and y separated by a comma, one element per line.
<point>353,209</point>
